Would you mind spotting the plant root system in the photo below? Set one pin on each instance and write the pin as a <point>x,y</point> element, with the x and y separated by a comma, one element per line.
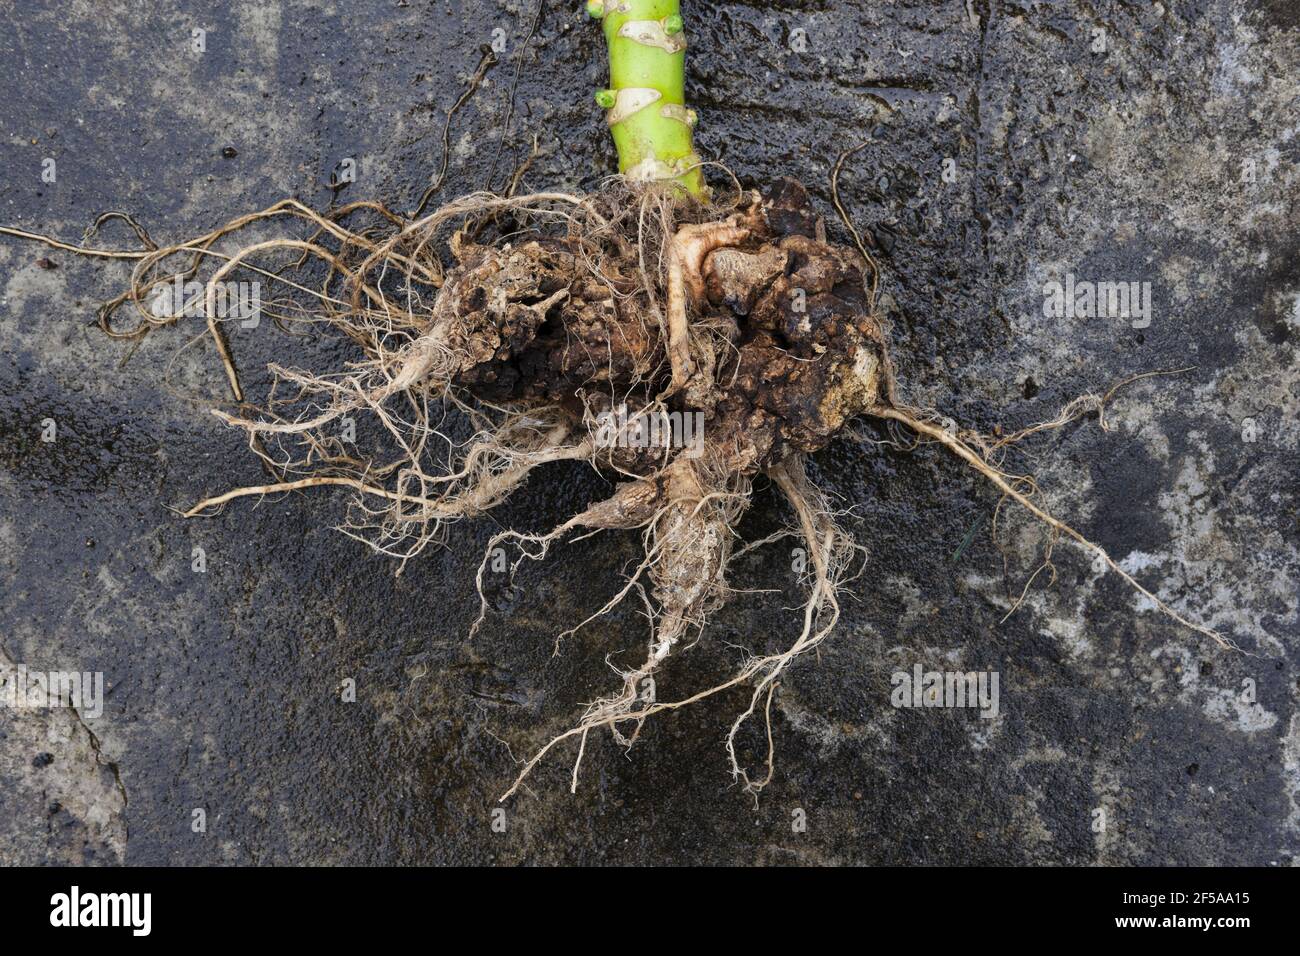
<point>684,350</point>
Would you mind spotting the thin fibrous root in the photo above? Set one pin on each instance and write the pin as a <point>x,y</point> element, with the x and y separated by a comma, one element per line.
<point>427,362</point>
<point>831,550</point>
<point>973,459</point>
<point>1076,408</point>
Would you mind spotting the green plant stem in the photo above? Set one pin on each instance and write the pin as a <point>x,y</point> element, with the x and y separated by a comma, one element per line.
<point>645,101</point>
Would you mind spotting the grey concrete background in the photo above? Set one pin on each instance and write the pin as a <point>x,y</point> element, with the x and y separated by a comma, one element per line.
<point>1167,157</point>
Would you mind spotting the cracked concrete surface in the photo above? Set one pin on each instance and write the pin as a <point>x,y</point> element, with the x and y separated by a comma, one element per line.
<point>67,798</point>
<point>1114,141</point>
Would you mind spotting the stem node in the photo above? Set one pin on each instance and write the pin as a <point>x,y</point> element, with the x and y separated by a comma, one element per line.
<point>646,40</point>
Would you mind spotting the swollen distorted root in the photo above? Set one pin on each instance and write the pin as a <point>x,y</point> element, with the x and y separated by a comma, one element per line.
<point>682,350</point>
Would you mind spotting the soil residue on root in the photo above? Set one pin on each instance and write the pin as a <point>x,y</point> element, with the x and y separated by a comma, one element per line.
<point>683,349</point>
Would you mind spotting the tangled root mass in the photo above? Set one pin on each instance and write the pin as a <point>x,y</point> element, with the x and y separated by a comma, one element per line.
<point>681,353</point>
<point>682,350</point>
